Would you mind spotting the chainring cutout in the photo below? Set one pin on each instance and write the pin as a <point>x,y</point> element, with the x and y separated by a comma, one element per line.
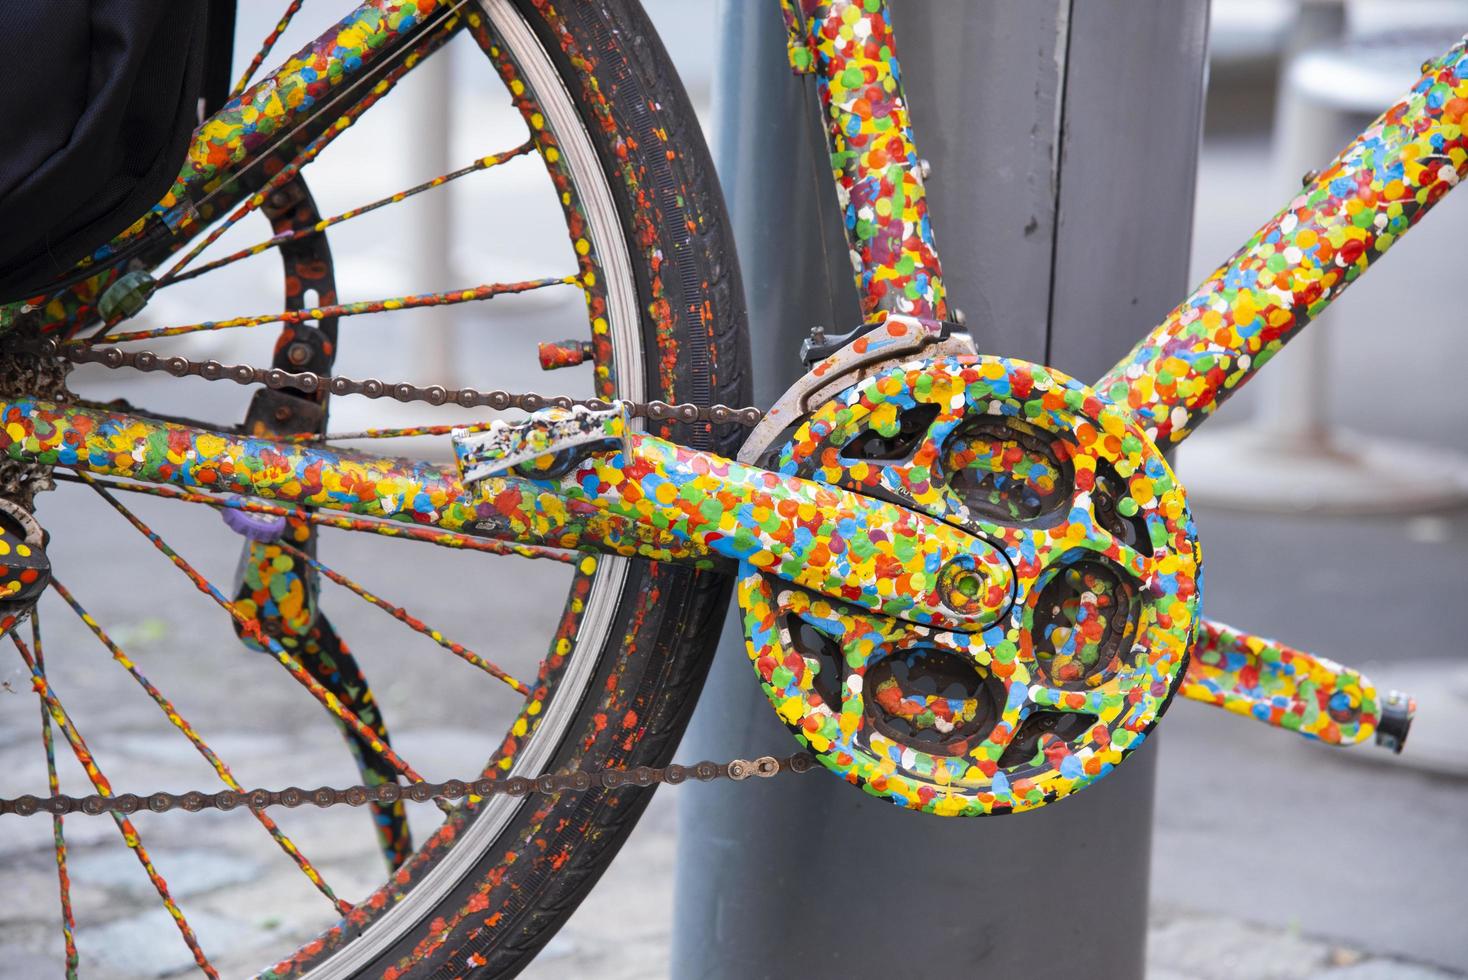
<point>1107,568</point>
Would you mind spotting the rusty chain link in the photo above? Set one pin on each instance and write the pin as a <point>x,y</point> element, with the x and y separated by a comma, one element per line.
<point>310,382</point>
<point>578,781</point>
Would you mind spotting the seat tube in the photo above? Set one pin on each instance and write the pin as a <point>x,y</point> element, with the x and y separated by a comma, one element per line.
<point>849,47</point>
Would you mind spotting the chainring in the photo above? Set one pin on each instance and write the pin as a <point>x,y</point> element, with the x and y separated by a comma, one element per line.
<point>1108,586</point>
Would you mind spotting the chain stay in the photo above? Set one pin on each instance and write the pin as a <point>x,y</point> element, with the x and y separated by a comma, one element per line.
<point>578,781</point>
<point>738,770</point>
<point>360,795</point>
<point>310,382</point>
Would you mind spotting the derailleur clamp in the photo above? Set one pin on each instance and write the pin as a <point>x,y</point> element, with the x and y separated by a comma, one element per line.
<point>561,433</point>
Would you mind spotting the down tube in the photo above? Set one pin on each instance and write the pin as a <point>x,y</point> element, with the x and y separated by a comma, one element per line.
<point>1345,218</point>
<point>402,490</point>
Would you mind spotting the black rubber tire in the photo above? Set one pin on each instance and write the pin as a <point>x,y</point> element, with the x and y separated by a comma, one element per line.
<point>524,886</point>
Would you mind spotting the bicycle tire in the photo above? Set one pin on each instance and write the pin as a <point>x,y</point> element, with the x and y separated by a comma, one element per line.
<point>528,880</point>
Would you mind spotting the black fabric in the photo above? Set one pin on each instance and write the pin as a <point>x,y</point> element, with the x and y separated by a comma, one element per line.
<point>97,102</point>
<point>219,55</point>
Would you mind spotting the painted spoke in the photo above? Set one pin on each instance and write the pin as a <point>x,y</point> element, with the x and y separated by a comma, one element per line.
<point>182,724</point>
<point>483,163</point>
<point>406,432</point>
<point>68,921</point>
<point>312,150</point>
<point>472,295</point>
<point>251,628</point>
<point>125,826</point>
<point>402,616</point>
<point>265,48</point>
<point>444,539</point>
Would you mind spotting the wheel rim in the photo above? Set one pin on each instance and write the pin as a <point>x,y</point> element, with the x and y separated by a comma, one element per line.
<point>563,120</point>
<point>621,373</point>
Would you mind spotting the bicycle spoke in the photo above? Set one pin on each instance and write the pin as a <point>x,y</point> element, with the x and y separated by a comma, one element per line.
<point>251,628</point>
<point>130,834</point>
<point>402,433</point>
<point>483,163</point>
<point>444,539</point>
<point>418,626</point>
<point>406,59</point>
<point>450,298</point>
<point>265,48</point>
<point>182,724</point>
<point>68,921</point>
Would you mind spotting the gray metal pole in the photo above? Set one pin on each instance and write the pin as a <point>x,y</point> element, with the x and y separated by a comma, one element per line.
<point>1063,138</point>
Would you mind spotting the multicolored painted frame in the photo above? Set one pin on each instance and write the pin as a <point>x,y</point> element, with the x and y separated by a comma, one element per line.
<point>875,552</point>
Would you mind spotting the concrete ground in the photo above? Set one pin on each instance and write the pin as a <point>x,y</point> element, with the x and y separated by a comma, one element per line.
<point>1271,858</point>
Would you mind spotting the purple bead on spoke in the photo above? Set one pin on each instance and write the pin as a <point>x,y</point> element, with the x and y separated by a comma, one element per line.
<point>256,527</point>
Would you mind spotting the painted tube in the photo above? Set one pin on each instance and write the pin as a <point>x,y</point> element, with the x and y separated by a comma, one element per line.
<point>1302,259</point>
<point>669,503</point>
<point>402,490</point>
<point>879,179</point>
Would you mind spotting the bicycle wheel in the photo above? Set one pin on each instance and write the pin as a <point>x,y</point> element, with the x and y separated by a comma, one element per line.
<point>655,261</point>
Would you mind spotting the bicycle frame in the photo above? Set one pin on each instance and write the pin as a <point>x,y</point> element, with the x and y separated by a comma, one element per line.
<point>1290,270</point>
<point>284,117</point>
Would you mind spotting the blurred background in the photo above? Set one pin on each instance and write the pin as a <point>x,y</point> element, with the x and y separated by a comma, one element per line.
<point>1272,856</point>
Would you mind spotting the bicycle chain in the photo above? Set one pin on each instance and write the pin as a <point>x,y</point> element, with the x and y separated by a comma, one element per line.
<point>360,795</point>
<point>765,767</point>
<point>310,383</point>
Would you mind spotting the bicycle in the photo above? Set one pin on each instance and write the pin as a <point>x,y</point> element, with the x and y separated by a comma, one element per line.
<point>969,585</point>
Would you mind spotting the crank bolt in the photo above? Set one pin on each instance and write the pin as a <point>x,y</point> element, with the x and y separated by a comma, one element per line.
<point>961,585</point>
<point>924,169</point>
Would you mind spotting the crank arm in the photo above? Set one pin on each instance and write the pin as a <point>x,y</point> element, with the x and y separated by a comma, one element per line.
<point>1290,689</point>
<point>667,503</point>
<point>854,548</point>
